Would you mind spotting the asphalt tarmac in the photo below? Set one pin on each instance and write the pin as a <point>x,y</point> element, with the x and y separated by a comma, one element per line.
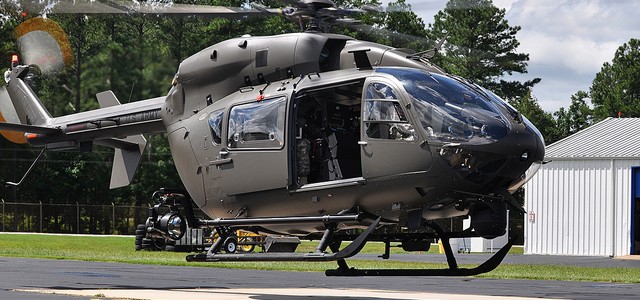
<point>476,259</point>
<point>22,278</point>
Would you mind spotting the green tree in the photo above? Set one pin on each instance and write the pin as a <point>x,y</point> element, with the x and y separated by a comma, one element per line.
<point>398,26</point>
<point>544,121</point>
<point>8,22</point>
<point>101,64</point>
<point>616,88</point>
<point>563,122</point>
<point>481,46</point>
<point>579,115</point>
<point>404,29</point>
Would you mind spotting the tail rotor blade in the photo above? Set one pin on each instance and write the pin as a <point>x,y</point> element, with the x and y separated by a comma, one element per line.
<point>42,42</point>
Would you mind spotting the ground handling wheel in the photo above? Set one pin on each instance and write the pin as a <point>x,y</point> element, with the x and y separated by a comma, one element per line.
<point>249,247</point>
<point>231,245</point>
<point>140,234</point>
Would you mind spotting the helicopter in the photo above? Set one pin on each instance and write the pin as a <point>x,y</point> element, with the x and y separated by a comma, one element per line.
<point>307,134</point>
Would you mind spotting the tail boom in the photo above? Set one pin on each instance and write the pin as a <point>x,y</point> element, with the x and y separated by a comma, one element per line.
<point>114,125</point>
<point>112,121</point>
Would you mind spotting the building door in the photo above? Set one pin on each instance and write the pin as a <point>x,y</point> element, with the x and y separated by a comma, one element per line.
<point>635,212</point>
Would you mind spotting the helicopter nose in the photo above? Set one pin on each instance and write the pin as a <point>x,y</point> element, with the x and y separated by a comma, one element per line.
<point>499,163</point>
<point>525,145</point>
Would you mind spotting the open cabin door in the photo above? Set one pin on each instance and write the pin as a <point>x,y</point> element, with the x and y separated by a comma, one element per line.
<point>253,156</point>
<point>327,131</point>
<point>389,139</point>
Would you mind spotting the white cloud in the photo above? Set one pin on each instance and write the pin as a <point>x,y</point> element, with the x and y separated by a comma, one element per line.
<point>506,4</point>
<point>578,54</point>
<point>568,41</point>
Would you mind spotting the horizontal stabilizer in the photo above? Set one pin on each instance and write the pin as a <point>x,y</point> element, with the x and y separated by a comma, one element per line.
<point>13,136</point>
<point>28,128</point>
<point>126,159</point>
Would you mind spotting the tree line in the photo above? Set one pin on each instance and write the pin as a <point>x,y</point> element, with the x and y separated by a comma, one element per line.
<point>136,57</point>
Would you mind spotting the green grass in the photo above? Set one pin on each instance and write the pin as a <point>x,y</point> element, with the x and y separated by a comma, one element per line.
<point>120,249</point>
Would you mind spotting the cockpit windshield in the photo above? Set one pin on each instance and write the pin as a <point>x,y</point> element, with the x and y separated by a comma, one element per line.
<point>451,110</point>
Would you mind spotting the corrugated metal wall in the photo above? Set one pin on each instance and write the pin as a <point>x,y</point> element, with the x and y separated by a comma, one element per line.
<point>623,206</point>
<point>580,207</point>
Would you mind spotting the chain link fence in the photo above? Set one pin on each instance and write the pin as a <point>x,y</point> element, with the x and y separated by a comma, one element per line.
<point>122,219</point>
<point>71,218</point>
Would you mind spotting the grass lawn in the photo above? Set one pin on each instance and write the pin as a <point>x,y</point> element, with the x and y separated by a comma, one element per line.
<point>121,249</point>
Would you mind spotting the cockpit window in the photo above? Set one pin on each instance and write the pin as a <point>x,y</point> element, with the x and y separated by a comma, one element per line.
<point>380,91</point>
<point>257,124</point>
<point>449,109</point>
<point>215,124</point>
<point>383,114</point>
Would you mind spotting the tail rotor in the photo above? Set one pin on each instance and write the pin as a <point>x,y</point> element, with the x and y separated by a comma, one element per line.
<point>43,43</point>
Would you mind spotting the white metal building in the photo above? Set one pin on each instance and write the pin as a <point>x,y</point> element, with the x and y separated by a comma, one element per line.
<point>586,201</point>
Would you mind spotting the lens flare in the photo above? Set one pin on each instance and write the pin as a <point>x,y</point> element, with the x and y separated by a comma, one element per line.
<point>43,43</point>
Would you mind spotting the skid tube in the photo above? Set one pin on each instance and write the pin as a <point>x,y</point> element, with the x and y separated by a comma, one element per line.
<point>452,270</point>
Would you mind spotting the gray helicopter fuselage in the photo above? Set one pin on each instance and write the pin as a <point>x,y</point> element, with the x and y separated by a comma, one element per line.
<point>304,133</point>
<point>295,125</point>
<point>223,68</point>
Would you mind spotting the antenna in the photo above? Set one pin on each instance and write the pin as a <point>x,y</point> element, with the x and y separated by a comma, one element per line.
<point>28,170</point>
<point>131,92</point>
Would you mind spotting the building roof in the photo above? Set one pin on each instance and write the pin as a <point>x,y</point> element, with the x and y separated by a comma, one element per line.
<point>610,138</point>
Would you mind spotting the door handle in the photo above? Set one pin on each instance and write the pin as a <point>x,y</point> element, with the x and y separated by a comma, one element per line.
<point>218,162</point>
<point>224,159</point>
<point>362,143</point>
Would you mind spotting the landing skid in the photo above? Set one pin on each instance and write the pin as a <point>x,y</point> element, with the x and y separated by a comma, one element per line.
<point>453,269</point>
<point>349,251</point>
<point>333,242</point>
<point>225,228</point>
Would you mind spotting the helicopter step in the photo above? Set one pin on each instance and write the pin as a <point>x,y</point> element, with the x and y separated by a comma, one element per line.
<point>349,251</point>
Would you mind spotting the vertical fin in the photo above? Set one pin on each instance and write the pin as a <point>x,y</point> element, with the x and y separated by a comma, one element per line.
<point>28,107</point>
<point>126,161</point>
<point>107,98</point>
<point>8,114</point>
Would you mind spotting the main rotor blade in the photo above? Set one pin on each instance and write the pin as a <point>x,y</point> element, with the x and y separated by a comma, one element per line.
<point>134,7</point>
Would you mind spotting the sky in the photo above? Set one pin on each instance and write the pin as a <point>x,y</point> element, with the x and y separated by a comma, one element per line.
<point>568,41</point>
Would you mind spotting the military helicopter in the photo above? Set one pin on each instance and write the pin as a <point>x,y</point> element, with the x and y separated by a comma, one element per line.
<point>308,134</point>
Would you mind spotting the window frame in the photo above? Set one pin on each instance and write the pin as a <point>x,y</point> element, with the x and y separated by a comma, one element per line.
<point>397,105</point>
<point>220,115</point>
<point>263,144</point>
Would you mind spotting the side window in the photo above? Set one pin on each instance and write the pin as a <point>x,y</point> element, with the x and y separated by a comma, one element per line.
<point>215,124</point>
<point>257,124</point>
<point>383,115</point>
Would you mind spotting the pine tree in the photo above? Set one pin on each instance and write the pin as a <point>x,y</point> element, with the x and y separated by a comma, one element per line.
<point>616,88</point>
<point>481,46</point>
